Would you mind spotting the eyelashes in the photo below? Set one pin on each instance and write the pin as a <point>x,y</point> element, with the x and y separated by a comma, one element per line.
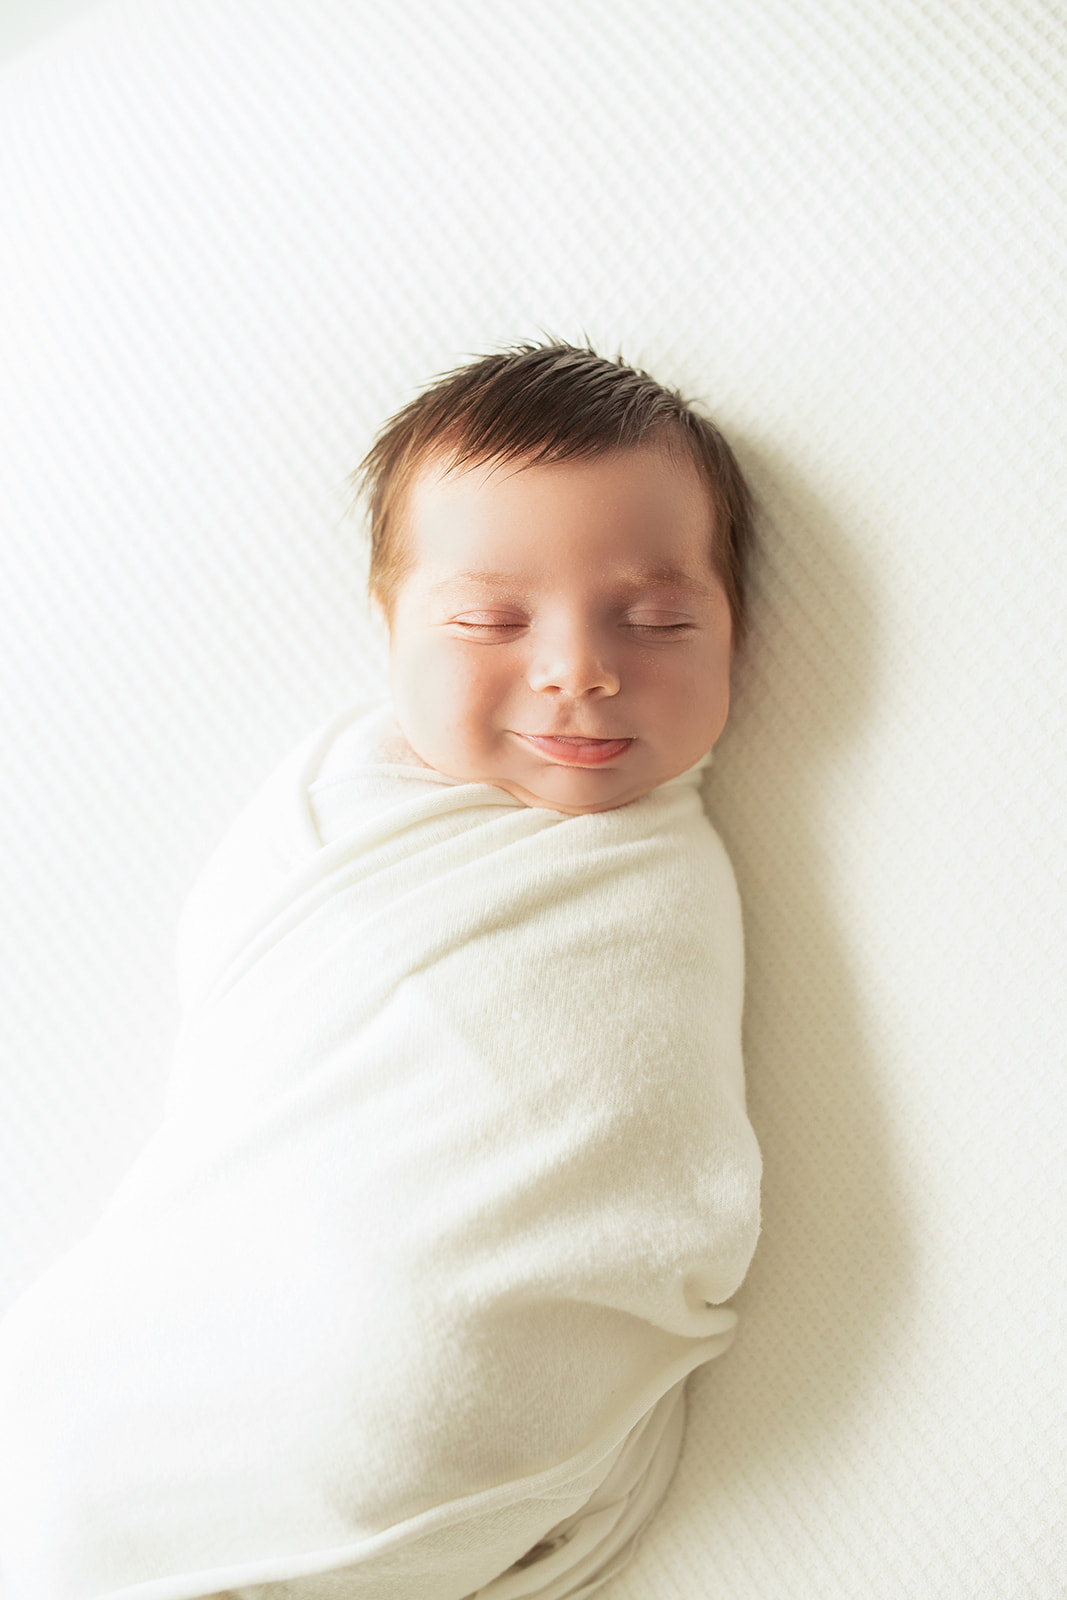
<point>660,627</point>
<point>490,628</point>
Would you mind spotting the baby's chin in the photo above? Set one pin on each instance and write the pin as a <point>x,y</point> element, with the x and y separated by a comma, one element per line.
<point>543,799</point>
<point>569,805</point>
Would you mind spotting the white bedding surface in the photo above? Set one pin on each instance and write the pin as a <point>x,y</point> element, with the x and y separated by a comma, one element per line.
<point>237,236</point>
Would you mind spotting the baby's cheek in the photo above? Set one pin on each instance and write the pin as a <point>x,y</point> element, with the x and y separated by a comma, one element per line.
<point>704,698</point>
<point>423,696</point>
<point>481,686</point>
<point>444,697</point>
<point>479,702</point>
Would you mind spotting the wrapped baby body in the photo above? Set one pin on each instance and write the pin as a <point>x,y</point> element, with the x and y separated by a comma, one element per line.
<point>454,1174</point>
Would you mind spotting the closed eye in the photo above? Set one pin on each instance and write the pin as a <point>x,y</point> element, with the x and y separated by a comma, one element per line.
<point>660,627</point>
<point>487,627</point>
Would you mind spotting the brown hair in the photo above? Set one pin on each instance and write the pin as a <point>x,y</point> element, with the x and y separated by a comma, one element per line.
<point>548,402</point>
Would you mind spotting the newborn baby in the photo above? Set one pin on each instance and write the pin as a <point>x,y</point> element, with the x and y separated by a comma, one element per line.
<point>454,1174</point>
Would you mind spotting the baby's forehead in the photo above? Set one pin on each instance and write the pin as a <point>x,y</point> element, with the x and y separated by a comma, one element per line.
<point>639,516</point>
<point>658,470</point>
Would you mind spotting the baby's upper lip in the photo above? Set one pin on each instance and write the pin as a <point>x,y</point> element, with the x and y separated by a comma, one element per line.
<point>581,738</point>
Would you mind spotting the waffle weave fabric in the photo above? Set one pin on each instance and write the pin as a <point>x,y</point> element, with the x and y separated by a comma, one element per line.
<point>236,236</point>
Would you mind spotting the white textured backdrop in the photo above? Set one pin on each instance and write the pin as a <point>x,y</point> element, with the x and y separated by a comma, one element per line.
<point>235,236</point>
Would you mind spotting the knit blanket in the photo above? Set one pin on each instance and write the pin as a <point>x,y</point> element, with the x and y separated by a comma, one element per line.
<point>453,1178</point>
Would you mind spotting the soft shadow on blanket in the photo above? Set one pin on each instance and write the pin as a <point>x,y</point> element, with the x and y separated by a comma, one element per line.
<point>828,1291</point>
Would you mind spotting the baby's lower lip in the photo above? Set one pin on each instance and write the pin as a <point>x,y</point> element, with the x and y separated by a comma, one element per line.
<point>578,752</point>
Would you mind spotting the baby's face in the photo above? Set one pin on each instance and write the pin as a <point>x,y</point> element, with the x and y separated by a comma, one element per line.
<point>561,633</point>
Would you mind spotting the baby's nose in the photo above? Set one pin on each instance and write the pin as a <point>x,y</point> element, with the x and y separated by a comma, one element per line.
<point>573,666</point>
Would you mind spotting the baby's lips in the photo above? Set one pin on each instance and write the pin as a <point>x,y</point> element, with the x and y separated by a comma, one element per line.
<point>571,750</point>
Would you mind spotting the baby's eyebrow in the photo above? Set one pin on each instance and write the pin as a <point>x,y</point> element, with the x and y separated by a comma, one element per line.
<point>475,575</point>
<point>632,578</point>
<point>666,578</point>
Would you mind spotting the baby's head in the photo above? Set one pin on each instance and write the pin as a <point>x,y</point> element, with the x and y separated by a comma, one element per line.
<point>557,547</point>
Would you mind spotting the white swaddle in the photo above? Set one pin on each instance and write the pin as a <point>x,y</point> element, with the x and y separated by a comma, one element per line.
<point>453,1178</point>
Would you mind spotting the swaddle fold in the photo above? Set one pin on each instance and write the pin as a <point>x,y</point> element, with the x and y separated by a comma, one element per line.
<point>453,1178</point>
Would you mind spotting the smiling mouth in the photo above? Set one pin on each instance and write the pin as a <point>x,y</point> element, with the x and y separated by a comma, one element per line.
<point>576,750</point>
